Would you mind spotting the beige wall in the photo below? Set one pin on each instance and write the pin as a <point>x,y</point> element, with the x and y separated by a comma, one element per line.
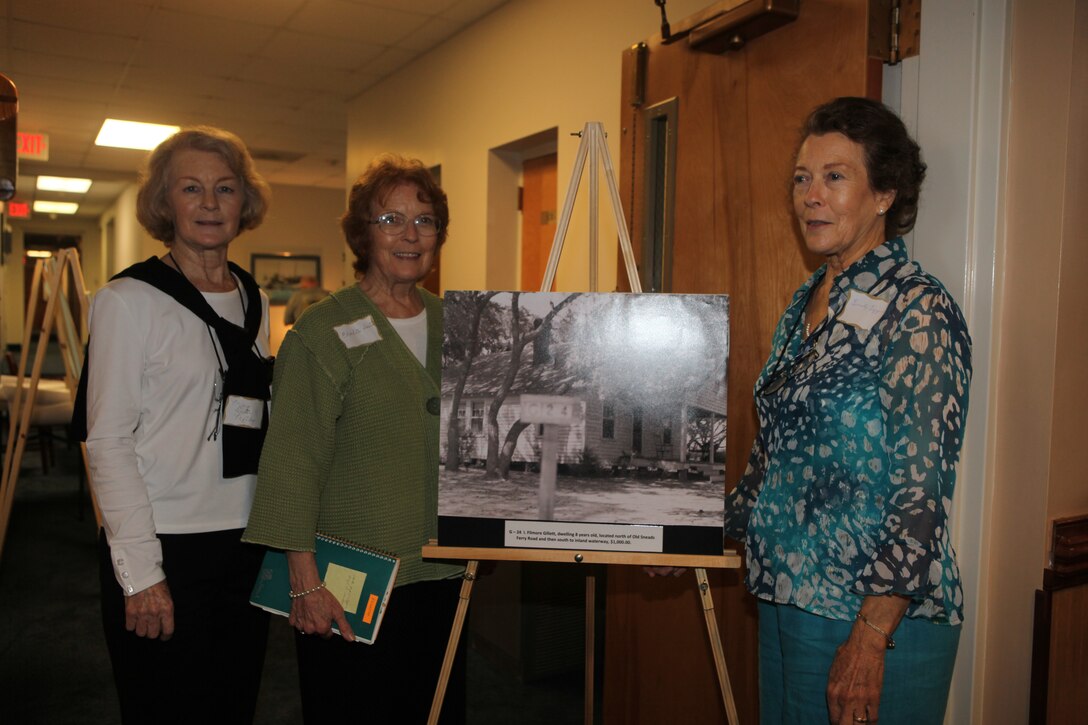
<point>301,220</point>
<point>1037,393</point>
<point>1068,476</point>
<point>529,66</point>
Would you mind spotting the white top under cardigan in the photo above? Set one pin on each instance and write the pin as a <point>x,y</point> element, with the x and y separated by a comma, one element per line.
<point>413,332</point>
<point>153,377</point>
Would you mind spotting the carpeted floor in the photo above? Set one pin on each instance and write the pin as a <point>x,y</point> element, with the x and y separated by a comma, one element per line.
<point>54,668</point>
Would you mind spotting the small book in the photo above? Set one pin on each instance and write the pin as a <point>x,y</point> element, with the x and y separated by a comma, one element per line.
<point>360,578</point>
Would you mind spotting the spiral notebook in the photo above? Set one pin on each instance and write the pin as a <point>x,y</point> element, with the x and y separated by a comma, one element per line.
<point>359,577</point>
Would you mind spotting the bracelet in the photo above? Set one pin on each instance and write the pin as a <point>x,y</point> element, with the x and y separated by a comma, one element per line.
<point>298,595</point>
<point>889,642</point>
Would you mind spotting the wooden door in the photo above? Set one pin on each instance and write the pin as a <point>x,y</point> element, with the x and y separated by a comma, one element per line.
<point>730,129</point>
<point>538,218</point>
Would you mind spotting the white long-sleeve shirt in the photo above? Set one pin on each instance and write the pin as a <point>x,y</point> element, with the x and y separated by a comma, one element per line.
<point>152,403</point>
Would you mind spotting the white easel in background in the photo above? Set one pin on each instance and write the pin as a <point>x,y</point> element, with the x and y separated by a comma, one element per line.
<point>49,283</point>
<point>594,148</point>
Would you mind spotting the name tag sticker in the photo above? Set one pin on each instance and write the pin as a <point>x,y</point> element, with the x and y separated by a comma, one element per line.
<point>360,332</point>
<point>862,310</point>
<point>243,412</point>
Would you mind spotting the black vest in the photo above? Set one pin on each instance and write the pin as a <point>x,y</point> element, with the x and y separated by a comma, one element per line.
<point>248,374</point>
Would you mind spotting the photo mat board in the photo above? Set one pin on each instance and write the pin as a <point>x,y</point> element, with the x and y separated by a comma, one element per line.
<point>592,421</point>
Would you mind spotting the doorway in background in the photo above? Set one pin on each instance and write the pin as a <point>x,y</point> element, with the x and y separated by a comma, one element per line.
<point>538,218</point>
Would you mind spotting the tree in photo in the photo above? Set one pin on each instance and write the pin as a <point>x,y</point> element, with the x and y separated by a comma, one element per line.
<point>473,325</point>
<point>522,331</point>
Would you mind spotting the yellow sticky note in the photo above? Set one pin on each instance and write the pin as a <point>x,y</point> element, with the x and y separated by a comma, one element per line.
<point>346,585</point>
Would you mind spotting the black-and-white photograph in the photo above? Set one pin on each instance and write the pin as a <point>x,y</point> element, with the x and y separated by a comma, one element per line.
<point>584,420</point>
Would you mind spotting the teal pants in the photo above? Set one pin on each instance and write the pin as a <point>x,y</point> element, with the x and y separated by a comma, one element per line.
<point>795,653</point>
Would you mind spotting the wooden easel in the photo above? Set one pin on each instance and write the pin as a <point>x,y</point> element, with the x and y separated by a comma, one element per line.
<point>594,148</point>
<point>49,283</point>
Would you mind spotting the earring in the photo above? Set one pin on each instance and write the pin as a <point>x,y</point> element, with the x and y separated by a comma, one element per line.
<point>880,212</point>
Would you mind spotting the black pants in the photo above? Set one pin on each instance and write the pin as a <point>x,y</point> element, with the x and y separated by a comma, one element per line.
<point>210,670</point>
<point>394,679</point>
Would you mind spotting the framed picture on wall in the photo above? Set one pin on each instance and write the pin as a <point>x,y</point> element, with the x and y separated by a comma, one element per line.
<point>281,275</point>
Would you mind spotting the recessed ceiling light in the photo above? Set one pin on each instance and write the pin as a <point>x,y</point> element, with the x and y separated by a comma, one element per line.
<point>133,134</point>
<point>39,253</point>
<point>56,207</point>
<point>63,183</point>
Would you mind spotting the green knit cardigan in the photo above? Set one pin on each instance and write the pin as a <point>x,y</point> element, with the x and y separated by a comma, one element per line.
<point>352,446</point>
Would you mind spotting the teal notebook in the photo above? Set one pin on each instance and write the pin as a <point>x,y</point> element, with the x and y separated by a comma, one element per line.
<point>360,578</point>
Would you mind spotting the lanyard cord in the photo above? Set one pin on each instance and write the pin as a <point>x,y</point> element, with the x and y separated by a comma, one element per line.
<point>218,395</point>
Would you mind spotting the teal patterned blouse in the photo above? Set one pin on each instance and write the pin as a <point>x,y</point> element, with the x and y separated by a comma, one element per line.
<point>849,483</point>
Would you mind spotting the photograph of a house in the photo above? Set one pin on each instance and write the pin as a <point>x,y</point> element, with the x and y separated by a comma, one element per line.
<point>639,382</point>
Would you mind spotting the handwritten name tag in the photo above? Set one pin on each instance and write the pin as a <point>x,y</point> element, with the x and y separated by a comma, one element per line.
<point>243,412</point>
<point>862,310</point>
<point>360,332</point>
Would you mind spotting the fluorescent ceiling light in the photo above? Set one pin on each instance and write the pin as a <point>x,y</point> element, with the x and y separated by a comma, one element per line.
<point>133,134</point>
<point>63,183</point>
<point>39,253</point>
<point>56,207</point>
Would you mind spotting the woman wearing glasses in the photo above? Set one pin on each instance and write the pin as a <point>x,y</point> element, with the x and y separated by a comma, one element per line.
<point>352,452</point>
<point>844,504</point>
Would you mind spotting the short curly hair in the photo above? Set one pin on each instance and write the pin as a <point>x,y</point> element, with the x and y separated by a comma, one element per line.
<point>384,174</point>
<point>892,158</point>
<point>153,209</point>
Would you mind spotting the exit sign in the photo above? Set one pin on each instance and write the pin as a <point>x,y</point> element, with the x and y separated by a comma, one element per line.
<point>19,210</point>
<point>33,146</point>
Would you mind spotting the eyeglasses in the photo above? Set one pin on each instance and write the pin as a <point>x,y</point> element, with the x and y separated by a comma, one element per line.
<point>393,223</point>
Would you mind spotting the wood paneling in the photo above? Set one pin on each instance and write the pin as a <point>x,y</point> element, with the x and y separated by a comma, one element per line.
<point>1067,692</point>
<point>734,233</point>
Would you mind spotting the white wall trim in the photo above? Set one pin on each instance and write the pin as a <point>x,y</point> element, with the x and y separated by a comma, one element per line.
<point>953,98</point>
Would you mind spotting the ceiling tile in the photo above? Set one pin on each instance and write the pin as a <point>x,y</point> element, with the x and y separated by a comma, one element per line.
<point>203,34</point>
<point>432,33</point>
<point>468,11</point>
<point>71,43</point>
<point>33,89</point>
<point>363,23</point>
<point>271,13</point>
<point>213,60</point>
<point>297,77</point>
<point>48,65</point>
<point>320,50</point>
<point>277,72</point>
<point>116,17</point>
<point>423,7</point>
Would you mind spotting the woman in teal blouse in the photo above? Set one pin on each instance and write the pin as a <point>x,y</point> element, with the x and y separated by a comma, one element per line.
<point>844,504</point>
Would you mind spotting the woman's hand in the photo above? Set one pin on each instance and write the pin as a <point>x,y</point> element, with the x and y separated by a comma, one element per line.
<point>150,612</point>
<point>855,681</point>
<point>316,612</point>
<point>857,672</point>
